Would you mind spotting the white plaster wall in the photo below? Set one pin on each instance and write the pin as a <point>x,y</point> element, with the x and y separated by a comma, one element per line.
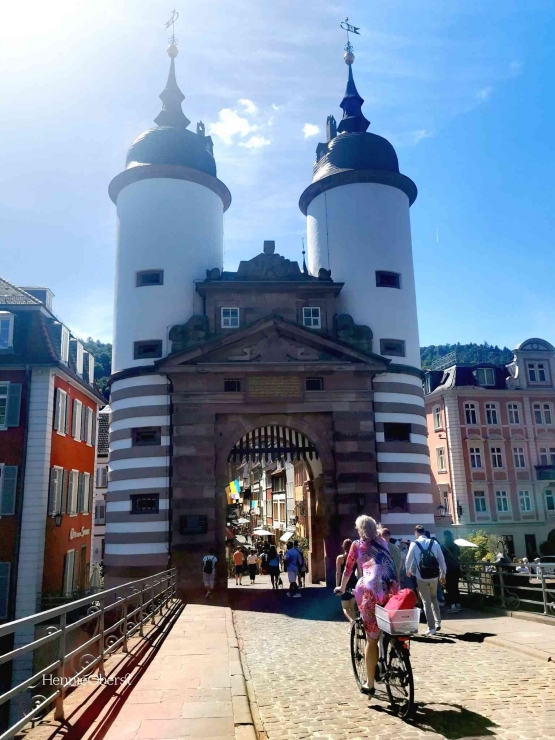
<point>355,230</point>
<point>173,225</point>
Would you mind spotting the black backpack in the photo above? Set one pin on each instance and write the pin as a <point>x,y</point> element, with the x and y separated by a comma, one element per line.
<point>208,565</point>
<point>428,565</point>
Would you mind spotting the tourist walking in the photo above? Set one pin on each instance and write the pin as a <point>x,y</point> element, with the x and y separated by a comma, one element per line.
<point>273,566</point>
<point>238,560</point>
<point>209,571</point>
<point>347,597</point>
<point>252,561</point>
<point>452,555</point>
<point>302,565</point>
<point>376,586</point>
<point>292,561</point>
<point>425,559</point>
<point>393,551</point>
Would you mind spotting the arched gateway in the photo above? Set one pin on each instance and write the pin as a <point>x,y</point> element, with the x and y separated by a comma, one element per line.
<point>203,357</point>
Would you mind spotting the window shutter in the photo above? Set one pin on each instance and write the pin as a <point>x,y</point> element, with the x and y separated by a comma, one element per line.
<point>56,423</point>
<point>69,572</point>
<point>4,589</point>
<point>14,405</point>
<point>64,486</point>
<point>65,412</point>
<point>87,489</point>
<point>9,486</point>
<point>53,503</point>
<point>80,493</point>
<point>84,411</point>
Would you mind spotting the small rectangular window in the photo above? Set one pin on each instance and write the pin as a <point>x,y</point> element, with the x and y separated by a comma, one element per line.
<point>385,279</point>
<point>502,501</point>
<point>396,432</point>
<point>6,329</point>
<point>144,278</point>
<point>480,501</point>
<point>550,500</point>
<point>311,317</point>
<point>547,414</point>
<point>79,356</point>
<point>441,466</point>
<point>146,436</point>
<point>514,413</point>
<point>496,457</point>
<point>475,457</point>
<point>102,476</point>
<point>470,413</point>
<point>491,413</point>
<point>525,500</point>
<point>485,376</point>
<point>230,318</point>
<point>232,385</point>
<point>437,417</point>
<point>147,349</point>
<point>519,458</point>
<point>397,503</point>
<point>537,372</point>
<point>392,347</point>
<point>314,384</point>
<point>64,349</point>
<point>145,503</point>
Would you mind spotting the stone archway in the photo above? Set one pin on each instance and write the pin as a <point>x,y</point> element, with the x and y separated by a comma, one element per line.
<point>321,499</point>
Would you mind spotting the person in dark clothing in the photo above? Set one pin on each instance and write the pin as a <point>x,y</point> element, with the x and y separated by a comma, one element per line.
<point>348,597</point>
<point>273,566</point>
<point>452,554</point>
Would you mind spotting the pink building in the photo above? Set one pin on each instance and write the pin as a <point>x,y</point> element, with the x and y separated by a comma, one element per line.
<point>492,447</point>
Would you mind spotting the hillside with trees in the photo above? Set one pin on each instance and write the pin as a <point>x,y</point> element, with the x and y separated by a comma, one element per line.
<point>102,353</point>
<point>466,353</point>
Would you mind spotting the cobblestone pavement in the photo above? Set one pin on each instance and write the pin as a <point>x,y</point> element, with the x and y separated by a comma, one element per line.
<point>297,652</point>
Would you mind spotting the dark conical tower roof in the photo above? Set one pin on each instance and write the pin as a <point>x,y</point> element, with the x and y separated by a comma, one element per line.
<point>353,121</point>
<point>172,97</point>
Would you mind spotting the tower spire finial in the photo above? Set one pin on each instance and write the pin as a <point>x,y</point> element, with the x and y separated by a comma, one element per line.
<point>172,97</point>
<point>305,269</point>
<point>353,120</point>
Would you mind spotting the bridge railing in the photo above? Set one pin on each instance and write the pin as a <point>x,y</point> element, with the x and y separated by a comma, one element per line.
<point>54,639</point>
<point>505,586</point>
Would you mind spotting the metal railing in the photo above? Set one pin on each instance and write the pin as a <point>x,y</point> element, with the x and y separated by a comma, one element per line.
<point>504,586</point>
<point>112,616</point>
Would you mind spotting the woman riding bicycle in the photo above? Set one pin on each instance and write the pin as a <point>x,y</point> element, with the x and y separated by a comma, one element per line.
<point>377,584</point>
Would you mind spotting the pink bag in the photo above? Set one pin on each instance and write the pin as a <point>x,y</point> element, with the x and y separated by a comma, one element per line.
<point>403,599</point>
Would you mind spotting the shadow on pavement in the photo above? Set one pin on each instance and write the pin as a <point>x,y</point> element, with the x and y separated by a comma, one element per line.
<point>472,636</point>
<point>452,721</point>
<point>316,603</point>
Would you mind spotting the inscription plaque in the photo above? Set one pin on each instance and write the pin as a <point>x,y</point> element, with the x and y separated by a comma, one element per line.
<point>275,386</point>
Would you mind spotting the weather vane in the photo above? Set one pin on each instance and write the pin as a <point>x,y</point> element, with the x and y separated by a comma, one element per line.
<point>346,26</point>
<point>175,15</point>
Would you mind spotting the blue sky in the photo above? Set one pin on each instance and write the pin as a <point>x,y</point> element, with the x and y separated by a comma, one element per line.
<point>462,88</point>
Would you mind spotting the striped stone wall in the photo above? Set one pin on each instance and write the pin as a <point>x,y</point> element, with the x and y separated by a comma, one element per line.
<point>403,467</point>
<point>137,543</point>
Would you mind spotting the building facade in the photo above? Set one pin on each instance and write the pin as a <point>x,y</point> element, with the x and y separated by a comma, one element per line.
<point>101,486</point>
<point>492,447</point>
<point>48,407</point>
<point>270,363</point>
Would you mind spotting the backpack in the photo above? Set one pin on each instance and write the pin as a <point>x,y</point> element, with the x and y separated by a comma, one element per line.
<point>428,565</point>
<point>208,565</point>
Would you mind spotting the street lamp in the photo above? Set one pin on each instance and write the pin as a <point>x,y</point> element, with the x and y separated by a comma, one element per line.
<point>442,511</point>
<point>58,519</point>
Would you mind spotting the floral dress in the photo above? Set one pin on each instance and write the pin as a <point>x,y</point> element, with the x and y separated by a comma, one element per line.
<point>378,582</point>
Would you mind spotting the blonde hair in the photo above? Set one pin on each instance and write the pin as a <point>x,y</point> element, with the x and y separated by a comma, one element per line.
<point>366,527</point>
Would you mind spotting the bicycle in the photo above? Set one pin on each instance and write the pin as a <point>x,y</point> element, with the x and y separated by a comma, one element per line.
<point>393,667</point>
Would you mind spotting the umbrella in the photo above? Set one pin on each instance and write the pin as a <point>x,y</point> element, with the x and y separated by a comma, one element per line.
<point>464,543</point>
<point>242,520</point>
<point>95,583</point>
<point>261,532</point>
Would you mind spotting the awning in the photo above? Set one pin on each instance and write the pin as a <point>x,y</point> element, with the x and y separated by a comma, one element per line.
<point>240,539</point>
<point>286,536</point>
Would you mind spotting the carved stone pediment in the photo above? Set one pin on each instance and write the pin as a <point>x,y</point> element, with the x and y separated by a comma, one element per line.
<point>273,348</point>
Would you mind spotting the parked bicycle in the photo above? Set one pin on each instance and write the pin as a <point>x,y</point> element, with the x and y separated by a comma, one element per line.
<point>393,668</point>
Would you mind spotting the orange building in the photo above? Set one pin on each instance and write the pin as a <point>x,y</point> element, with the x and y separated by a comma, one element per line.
<point>48,411</point>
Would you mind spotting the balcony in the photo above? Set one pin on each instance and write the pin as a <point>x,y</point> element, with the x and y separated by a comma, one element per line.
<point>545,472</point>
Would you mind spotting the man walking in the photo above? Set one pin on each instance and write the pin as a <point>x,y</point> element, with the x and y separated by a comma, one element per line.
<point>209,571</point>
<point>394,552</point>
<point>302,564</point>
<point>238,561</point>
<point>425,559</point>
<point>292,564</point>
<point>452,554</point>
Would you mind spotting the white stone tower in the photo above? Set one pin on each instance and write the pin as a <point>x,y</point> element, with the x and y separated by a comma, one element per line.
<point>170,208</point>
<point>358,226</point>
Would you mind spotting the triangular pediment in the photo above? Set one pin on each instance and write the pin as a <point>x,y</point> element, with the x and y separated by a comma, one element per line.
<point>272,341</point>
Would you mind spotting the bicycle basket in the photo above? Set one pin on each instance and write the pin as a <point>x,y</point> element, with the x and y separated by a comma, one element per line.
<point>401,622</point>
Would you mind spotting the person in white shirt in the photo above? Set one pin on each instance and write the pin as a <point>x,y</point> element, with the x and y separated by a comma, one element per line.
<point>425,560</point>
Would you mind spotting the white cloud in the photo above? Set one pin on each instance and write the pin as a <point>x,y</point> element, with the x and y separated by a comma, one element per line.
<point>310,129</point>
<point>484,93</point>
<point>275,107</point>
<point>248,106</point>
<point>230,124</point>
<point>255,142</point>
<point>417,136</point>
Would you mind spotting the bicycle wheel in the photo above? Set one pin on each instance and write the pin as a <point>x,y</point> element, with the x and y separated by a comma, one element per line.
<point>398,679</point>
<point>358,647</point>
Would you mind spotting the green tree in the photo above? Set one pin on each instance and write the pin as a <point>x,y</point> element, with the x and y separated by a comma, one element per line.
<point>102,353</point>
<point>486,550</point>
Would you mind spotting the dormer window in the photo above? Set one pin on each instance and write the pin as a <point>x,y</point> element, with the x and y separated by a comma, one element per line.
<point>485,376</point>
<point>79,359</point>
<point>6,329</point>
<point>91,369</point>
<point>230,318</point>
<point>537,372</point>
<point>312,317</point>
<point>64,347</point>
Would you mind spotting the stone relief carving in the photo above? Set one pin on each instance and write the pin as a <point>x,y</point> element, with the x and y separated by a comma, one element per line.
<point>358,336</point>
<point>273,348</point>
<point>187,335</point>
